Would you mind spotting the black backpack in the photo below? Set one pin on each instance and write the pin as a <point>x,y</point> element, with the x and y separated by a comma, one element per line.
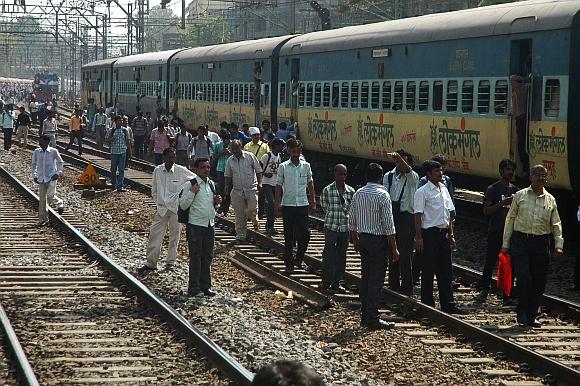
<point>183,214</point>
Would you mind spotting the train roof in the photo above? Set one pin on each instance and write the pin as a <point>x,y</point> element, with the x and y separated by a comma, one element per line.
<point>485,21</point>
<point>247,49</point>
<point>99,63</point>
<point>146,59</point>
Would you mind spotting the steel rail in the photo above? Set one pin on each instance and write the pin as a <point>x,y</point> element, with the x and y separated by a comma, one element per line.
<point>24,371</point>
<point>190,333</point>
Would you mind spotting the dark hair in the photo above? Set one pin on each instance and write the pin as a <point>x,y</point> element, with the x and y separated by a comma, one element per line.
<point>285,373</point>
<point>199,161</point>
<point>440,158</point>
<point>282,125</point>
<point>406,154</point>
<point>245,125</point>
<point>225,134</point>
<point>292,143</point>
<point>224,124</point>
<point>278,142</point>
<point>117,117</point>
<point>168,150</point>
<point>374,172</point>
<point>430,164</point>
<point>265,121</point>
<point>234,125</point>
<point>504,163</point>
<point>201,127</point>
<point>45,137</point>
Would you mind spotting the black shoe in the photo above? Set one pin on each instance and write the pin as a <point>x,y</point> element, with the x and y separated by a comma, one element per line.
<point>337,288</point>
<point>534,323</point>
<point>144,270</point>
<point>289,270</point>
<point>194,293</point>
<point>482,297</point>
<point>379,325</point>
<point>209,292</point>
<point>121,190</point>
<point>60,210</point>
<point>455,311</point>
<point>522,319</point>
<point>299,264</point>
<point>508,302</point>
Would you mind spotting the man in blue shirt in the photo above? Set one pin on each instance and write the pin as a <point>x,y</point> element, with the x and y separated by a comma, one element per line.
<point>118,138</point>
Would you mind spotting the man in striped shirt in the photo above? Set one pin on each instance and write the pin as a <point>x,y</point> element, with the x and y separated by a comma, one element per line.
<point>372,231</point>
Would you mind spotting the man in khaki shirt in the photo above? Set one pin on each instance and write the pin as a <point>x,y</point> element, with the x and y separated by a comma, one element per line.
<point>531,222</point>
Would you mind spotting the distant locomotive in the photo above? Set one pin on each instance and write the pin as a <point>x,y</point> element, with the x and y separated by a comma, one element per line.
<point>431,84</point>
<point>45,85</point>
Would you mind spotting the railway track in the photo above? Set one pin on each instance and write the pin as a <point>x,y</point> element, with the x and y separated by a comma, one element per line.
<point>82,319</point>
<point>552,351</point>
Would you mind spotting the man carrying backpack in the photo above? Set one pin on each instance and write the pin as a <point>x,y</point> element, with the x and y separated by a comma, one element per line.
<point>201,146</point>
<point>168,180</point>
<point>182,141</point>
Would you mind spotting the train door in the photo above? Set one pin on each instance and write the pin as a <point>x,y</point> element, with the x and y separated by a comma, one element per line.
<point>522,88</point>
<point>257,93</point>
<point>294,81</point>
<point>100,89</point>
<point>106,88</point>
<point>137,77</point>
<point>175,89</point>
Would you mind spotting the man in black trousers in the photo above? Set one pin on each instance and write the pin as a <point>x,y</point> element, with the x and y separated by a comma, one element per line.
<point>372,231</point>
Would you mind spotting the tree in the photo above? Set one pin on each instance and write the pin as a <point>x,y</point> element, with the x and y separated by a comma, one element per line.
<point>157,23</point>
<point>208,30</point>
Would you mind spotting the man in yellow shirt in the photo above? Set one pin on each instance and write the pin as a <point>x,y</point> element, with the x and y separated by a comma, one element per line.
<point>531,223</point>
<point>258,148</point>
<point>75,127</point>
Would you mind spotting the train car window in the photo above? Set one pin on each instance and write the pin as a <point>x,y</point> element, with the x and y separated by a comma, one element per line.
<point>364,95</point>
<point>398,102</point>
<point>467,96</point>
<point>552,98</point>
<point>437,95</point>
<point>375,95</point>
<point>326,95</point>
<point>386,95</point>
<point>483,96</point>
<point>354,94</point>
<point>335,94</point>
<point>205,92</point>
<point>236,93</point>
<point>452,95</point>
<point>500,97</point>
<point>317,94</point>
<point>423,95</point>
<point>282,96</point>
<point>411,96</point>
<point>344,95</point>
<point>302,94</point>
<point>309,94</point>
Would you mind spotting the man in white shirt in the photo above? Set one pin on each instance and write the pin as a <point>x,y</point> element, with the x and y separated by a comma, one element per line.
<point>47,166</point>
<point>7,124</point>
<point>168,179</point>
<point>434,237</point>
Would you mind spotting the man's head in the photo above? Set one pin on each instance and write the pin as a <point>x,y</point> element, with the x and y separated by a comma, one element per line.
<point>374,173</point>
<point>148,114</point>
<point>406,156</point>
<point>43,141</point>
<point>223,125</point>
<point>139,114</point>
<point>234,128</point>
<point>294,148</point>
<point>265,125</point>
<point>169,157</point>
<point>538,176</point>
<point>202,167</point>
<point>50,114</point>
<point>101,110</point>
<point>246,128</point>
<point>237,148</point>
<point>433,171</point>
<point>507,169</point>
<point>284,373</point>
<point>277,145</point>
<point>224,135</point>
<point>254,134</point>
<point>78,113</point>
<point>340,173</point>
<point>442,161</point>
<point>201,131</point>
<point>6,107</point>
<point>282,126</point>
<point>22,109</point>
<point>118,120</point>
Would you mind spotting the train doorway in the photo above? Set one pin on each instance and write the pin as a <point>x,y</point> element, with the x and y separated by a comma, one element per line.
<point>294,82</point>
<point>520,84</point>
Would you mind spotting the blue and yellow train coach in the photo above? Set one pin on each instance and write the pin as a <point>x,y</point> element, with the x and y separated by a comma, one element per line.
<point>431,84</point>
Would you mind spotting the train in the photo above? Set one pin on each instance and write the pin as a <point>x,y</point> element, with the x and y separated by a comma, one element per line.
<point>434,84</point>
<point>45,85</point>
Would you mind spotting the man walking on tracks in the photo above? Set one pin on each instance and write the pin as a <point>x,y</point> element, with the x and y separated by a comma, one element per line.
<point>76,131</point>
<point>139,132</point>
<point>201,199</point>
<point>47,166</point>
<point>531,224</point>
<point>498,198</point>
<point>22,125</point>
<point>434,237</point>
<point>294,178</point>
<point>100,123</point>
<point>335,200</point>
<point>401,182</point>
<point>167,181</point>
<point>118,138</point>
<point>7,124</point>
<point>244,174</point>
<point>48,127</point>
<point>372,232</point>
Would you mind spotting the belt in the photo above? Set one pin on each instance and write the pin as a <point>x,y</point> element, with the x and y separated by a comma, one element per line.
<point>531,236</point>
<point>436,229</point>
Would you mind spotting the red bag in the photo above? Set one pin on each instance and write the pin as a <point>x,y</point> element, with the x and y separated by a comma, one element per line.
<point>504,273</point>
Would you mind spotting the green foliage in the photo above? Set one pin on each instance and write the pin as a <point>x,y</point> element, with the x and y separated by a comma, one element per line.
<point>158,22</point>
<point>208,30</point>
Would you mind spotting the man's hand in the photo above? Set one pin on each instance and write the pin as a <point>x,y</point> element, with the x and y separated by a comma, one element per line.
<point>195,188</point>
<point>558,252</point>
<point>260,187</point>
<point>419,245</point>
<point>217,199</point>
<point>395,255</point>
<point>452,241</point>
<point>312,207</point>
<point>507,201</point>
<point>505,250</point>
<point>35,180</point>
<point>278,210</point>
